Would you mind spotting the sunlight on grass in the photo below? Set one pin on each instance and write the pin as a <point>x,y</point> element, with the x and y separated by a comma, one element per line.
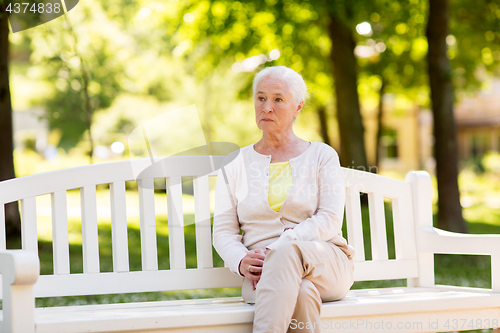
<point>44,230</point>
<point>44,215</point>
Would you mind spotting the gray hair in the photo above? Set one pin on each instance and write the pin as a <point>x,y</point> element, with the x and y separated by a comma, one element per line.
<point>292,79</point>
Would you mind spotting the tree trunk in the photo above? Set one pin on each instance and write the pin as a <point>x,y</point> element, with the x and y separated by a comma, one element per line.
<point>88,110</point>
<point>12,220</point>
<point>379,124</point>
<point>352,144</point>
<point>445,149</point>
<point>85,85</point>
<point>323,124</point>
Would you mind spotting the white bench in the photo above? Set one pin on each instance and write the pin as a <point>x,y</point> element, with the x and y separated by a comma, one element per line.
<point>422,306</point>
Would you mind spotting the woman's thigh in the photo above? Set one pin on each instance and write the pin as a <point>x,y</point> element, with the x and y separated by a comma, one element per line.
<point>327,267</point>
<point>324,264</point>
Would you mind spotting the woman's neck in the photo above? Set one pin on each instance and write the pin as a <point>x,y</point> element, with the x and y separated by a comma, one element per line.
<point>277,142</point>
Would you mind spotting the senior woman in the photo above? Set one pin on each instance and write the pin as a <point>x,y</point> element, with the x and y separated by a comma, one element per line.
<point>278,214</point>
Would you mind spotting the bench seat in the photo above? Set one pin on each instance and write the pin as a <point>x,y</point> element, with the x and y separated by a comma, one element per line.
<point>355,312</point>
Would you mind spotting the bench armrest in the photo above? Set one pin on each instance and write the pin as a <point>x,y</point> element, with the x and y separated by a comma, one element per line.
<point>19,270</point>
<point>434,240</point>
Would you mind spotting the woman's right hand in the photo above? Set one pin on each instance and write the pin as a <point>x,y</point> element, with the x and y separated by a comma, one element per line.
<point>251,265</point>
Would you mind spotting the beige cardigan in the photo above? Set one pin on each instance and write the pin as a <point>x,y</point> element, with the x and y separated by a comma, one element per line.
<point>314,206</point>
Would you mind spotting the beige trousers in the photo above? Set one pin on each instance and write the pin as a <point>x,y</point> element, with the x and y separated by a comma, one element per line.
<point>296,278</point>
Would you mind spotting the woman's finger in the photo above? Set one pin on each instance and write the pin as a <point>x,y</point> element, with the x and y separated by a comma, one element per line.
<point>256,255</point>
<point>255,262</point>
<point>255,270</point>
<point>253,277</point>
<point>251,265</point>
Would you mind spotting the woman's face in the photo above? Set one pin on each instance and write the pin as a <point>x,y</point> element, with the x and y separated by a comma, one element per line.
<point>275,107</point>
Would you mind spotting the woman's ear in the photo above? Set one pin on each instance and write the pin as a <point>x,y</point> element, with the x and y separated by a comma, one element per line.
<point>299,108</point>
<point>301,104</point>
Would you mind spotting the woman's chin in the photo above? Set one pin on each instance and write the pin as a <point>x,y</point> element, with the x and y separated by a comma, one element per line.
<point>267,125</point>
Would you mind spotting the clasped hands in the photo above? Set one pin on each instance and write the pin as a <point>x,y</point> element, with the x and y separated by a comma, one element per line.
<point>251,265</point>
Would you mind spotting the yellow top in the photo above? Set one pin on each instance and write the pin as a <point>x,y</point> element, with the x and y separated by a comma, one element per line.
<point>280,181</point>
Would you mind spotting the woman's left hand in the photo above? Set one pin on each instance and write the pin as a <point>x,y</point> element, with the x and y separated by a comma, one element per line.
<point>254,282</point>
<point>253,261</point>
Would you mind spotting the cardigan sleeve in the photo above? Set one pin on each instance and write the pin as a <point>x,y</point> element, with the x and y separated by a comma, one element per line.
<point>326,222</point>
<point>227,237</point>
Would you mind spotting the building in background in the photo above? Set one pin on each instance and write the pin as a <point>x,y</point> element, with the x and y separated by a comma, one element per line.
<point>478,123</point>
<point>408,141</point>
<point>31,130</point>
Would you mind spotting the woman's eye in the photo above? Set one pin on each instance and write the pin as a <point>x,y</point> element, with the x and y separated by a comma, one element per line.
<point>279,99</point>
<point>261,99</point>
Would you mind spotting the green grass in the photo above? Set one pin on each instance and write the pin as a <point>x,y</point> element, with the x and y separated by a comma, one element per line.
<point>106,265</point>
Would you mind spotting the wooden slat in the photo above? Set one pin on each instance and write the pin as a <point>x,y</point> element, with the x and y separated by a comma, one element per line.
<point>186,316</point>
<point>398,227</point>
<point>3,239</point>
<point>29,236</point>
<point>119,227</point>
<point>202,222</point>
<point>60,243</point>
<point>90,236</point>
<point>385,270</point>
<point>354,224</point>
<point>134,282</point>
<point>175,223</point>
<point>368,182</point>
<point>404,234</point>
<point>110,283</point>
<point>106,173</point>
<point>377,226</point>
<point>149,252</point>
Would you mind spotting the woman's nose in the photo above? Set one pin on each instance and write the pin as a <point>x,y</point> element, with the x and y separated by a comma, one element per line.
<point>268,106</point>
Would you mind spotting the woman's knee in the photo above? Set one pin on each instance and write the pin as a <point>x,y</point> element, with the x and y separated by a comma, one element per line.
<point>284,252</point>
<point>308,294</point>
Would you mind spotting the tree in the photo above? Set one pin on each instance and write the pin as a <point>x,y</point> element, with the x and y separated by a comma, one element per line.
<point>446,151</point>
<point>13,222</point>
<point>474,42</point>
<point>84,76</point>
<point>391,57</point>
<point>351,128</point>
<point>308,39</point>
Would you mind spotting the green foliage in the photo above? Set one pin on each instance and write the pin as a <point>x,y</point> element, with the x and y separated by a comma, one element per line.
<point>480,192</point>
<point>395,51</point>
<point>149,48</point>
<point>474,42</point>
<point>491,162</point>
<point>82,45</point>
<point>211,32</point>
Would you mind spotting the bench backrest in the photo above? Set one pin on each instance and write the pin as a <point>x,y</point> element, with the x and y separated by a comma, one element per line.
<point>380,267</point>
<point>171,169</point>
